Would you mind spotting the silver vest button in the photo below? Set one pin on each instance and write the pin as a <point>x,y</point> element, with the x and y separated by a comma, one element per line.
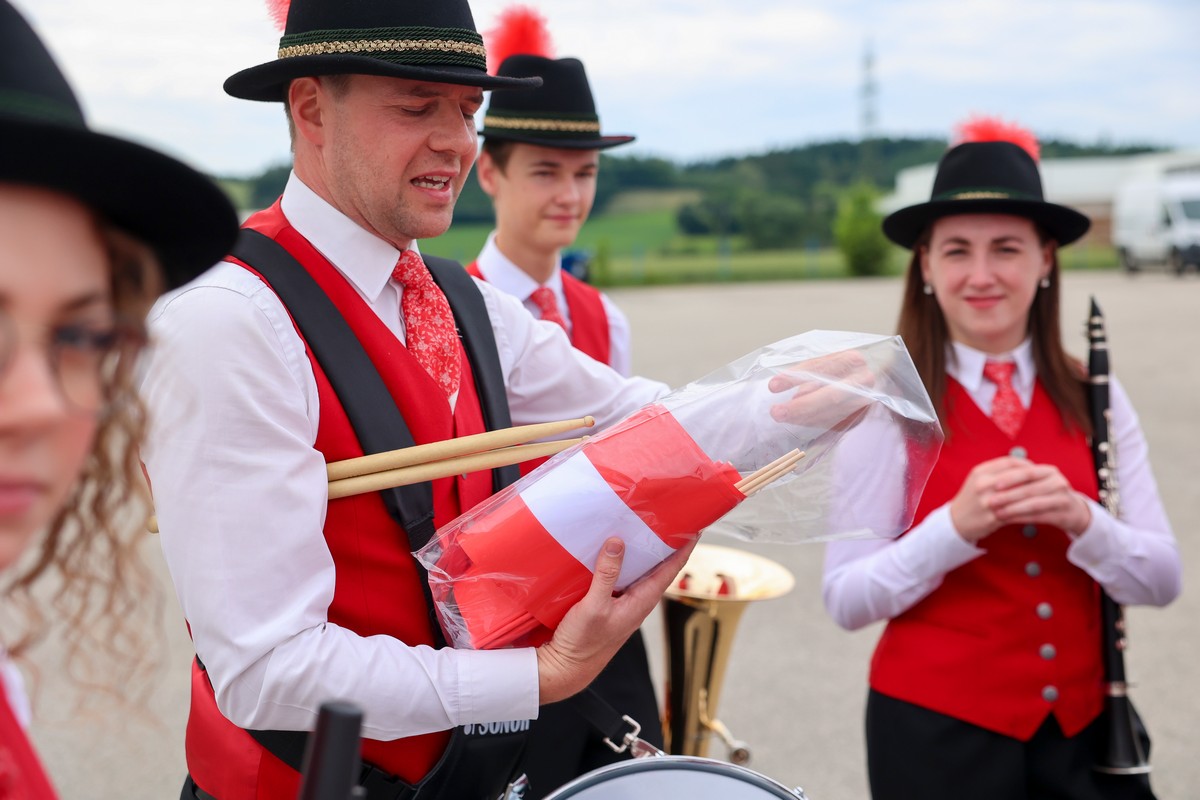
<point>1018,452</point>
<point>1049,693</point>
<point>1045,610</point>
<point>1029,531</point>
<point>1033,569</point>
<point>1047,651</point>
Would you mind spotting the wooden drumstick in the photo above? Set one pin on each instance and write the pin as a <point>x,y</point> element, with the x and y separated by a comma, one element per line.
<point>434,453</point>
<point>445,468</point>
<point>763,476</point>
<point>451,448</point>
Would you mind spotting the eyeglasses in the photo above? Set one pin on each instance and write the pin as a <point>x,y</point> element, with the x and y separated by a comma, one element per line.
<point>86,360</point>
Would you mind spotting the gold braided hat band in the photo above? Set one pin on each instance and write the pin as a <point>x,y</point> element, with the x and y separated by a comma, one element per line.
<point>533,124</point>
<point>980,196</point>
<point>381,46</point>
<point>407,45</point>
<point>983,193</point>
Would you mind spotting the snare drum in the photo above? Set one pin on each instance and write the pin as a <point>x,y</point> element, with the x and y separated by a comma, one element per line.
<point>668,777</point>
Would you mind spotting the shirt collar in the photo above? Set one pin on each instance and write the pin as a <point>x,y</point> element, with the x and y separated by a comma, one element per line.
<point>366,260</point>
<point>965,364</point>
<point>506,276</point>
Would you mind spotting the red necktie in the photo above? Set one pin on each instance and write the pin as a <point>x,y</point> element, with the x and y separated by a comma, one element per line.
<point>1007,411</point>
<point>547,303</point>
<point>428,322</point>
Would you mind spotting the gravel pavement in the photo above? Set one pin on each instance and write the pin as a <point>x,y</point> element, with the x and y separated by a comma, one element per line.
<point>796,683</point>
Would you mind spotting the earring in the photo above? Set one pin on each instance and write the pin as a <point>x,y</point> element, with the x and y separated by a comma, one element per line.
<point>1044,282</point>
<point>928,289</point>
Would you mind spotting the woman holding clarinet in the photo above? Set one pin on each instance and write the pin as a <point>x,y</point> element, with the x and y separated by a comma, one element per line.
<point>988,680</point>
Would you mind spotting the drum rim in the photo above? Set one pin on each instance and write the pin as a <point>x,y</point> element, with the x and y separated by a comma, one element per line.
<point>657,763</point>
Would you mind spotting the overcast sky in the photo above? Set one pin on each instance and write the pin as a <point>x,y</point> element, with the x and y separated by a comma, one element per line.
<point>693,79</point>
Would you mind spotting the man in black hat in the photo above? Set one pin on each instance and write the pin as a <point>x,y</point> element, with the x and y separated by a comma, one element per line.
<point>273,364</point>
<point>539,164</point>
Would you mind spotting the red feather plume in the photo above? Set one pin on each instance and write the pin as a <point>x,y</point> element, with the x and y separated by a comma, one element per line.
<point>994,129</point>
<point>278,9</point>
<point>520,30</point>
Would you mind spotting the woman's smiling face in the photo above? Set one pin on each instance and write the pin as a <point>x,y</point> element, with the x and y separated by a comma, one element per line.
<point>984,270</point>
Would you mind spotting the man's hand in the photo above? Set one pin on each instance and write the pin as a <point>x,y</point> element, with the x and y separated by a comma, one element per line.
<point>824,390</point>
<point>596,627</point>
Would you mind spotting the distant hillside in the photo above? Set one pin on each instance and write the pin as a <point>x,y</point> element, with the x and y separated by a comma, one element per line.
<point>711,196</point>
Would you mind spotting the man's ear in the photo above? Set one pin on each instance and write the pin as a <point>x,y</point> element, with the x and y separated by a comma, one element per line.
<point>487,171</point>
<point>308,100</point>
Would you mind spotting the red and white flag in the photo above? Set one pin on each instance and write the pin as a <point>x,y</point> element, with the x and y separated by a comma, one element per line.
<point>517,563</point>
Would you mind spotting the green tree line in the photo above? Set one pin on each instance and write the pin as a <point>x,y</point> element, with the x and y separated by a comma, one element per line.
<point>779,199</point>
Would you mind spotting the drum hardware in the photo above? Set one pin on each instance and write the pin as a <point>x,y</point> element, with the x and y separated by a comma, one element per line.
<point>632,743</point>
<point>702,610</point>
<point>670,777</point>
<point>331,760</point>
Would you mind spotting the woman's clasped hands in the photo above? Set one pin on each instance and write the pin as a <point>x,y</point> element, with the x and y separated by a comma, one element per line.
<point>1015,491</point>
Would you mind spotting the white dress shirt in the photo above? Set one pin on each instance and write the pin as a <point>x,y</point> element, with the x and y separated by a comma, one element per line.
<point>506,276</point>
<point>240,494</point>
<point>1134,558</point>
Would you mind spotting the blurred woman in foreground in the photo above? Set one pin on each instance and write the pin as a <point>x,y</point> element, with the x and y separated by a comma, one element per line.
<point>987,681</point>
<point>92,228</point>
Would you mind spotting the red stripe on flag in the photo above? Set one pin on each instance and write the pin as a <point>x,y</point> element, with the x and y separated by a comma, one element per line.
<point>656,468</point>
<point>520,583</point>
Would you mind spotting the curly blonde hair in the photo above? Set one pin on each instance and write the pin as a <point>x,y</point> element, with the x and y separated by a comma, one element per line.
<point>86,576</point>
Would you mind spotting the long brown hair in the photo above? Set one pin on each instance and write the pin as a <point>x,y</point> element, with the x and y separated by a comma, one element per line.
<point>922,326</point>
<point>86,574</point>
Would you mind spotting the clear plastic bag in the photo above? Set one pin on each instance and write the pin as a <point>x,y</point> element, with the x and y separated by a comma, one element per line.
<point>506,572</point>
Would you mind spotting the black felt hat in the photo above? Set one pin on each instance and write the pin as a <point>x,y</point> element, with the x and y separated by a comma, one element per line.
<point>986,178</point>
<point>45,142</point>
<point>424,40</point>
<point>559,113</point>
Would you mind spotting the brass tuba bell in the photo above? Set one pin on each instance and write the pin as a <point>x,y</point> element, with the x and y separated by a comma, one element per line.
<point>701,612</point>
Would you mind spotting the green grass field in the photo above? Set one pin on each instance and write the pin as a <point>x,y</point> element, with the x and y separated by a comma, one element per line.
<point>626,233</point>
<point>640,245</point>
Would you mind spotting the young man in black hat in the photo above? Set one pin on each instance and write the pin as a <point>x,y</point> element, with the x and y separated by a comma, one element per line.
<point>539,163</point>
<point>292,599</point>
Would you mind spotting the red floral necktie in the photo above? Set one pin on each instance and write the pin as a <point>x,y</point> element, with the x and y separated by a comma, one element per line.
<point>1007,411</point>
<point>547,303</point>
<point>428,323</point>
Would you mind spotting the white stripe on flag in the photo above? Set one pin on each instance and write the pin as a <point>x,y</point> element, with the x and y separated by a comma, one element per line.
<point>580,510</point>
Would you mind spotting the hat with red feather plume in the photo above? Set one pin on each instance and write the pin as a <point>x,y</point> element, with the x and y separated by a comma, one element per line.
<point>559,113</point>
<point>424,40</point>
<point>992,168</point>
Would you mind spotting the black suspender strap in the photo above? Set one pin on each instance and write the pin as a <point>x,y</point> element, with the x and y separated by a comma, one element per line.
<point>373,414</point>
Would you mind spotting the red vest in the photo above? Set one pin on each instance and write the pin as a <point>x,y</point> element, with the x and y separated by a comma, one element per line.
<point>589,321</point>
<point>378,589</point>
<point>1013,635</point>
<point>21,774</point>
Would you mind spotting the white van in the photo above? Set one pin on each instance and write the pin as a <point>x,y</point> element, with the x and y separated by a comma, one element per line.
<point>1156,220</point>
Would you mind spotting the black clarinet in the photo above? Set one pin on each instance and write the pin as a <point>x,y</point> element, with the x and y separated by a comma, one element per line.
<point>1124,753</point>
